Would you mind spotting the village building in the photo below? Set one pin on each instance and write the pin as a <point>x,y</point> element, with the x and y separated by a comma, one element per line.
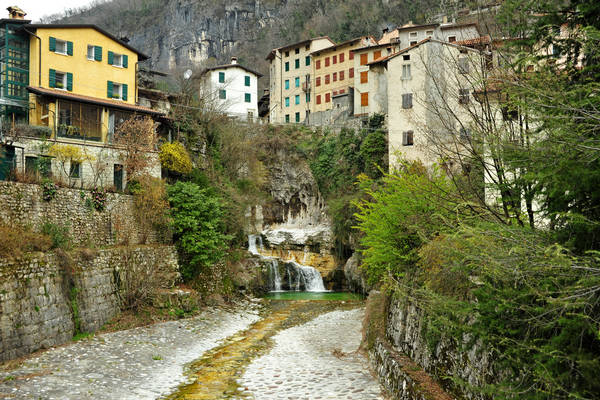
<point>232,89</point>
<point>70,85</point>
<point>291,93</point>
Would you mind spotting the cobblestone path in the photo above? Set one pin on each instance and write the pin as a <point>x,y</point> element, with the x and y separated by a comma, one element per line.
<point>142,363</point>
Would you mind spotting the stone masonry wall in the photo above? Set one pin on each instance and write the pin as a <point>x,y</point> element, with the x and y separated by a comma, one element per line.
<point>39,292</point>
<point>22,204</point>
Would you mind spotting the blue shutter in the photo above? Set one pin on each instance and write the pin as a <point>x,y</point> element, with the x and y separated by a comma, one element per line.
<point>52,78</point>
<point>52,42</point>
<point>97,53</point>
<point>69,81</point>
<point>125,61</point>
<point>124,86</point>
<point>109,91</point>
<point>111,56</point>
<point>70,48</point>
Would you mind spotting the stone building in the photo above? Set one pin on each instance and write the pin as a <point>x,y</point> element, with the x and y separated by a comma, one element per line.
<point>290,72</point>
<point>72,86</point>
<point>232,89</point>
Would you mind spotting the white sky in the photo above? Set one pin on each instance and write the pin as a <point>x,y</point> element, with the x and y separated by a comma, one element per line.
<point>36,9</point>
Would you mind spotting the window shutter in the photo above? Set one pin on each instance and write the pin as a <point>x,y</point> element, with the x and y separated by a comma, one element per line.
<point>110,58</point>
<point>97,53</point>
<point>247,80</point>
<point>69,81</point>
<point>52,43</point>
<point>124,97</point>
<point>109,90</point>
<point>125,60</point>
<point>70,48</point>
<point>52,78</point>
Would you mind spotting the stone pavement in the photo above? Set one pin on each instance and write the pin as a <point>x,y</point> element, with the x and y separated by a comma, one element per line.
<point>316,360</point>
<point>142,363</point>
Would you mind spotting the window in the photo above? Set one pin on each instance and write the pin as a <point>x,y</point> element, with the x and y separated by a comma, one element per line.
<point>377,54</point>
<point>31,166</point>
<point>364,77</point>
<point>463,96</point>
<point>407,138</point>
<point>342,91</point>
<point>247,97</point>
<point>452,39</point>
<point>90,52</point>
<point>250,116</point>
<point>117,91</point>
<point>287,101</point>
<point>61,46</point>
<point>60,80</point>
<point>335,76</point>
<point>287,53</point>
<point>364,59</point>
<point>247,80</point>
<point>287,66</point>
<point>407,101</point>
<point>351,56</point>
<point>307,47</point>
<point>221,77</point>
<point>307,61</point>
<point>117,60</point>
<point>308,97</point>
<point>287,118</point>
<point>429,33</point>
<point>342,57</point>
<point>364,99</point>
<point>318,99</point>
<point>75,170</point>
<point>351,73</point>
<point>335,92</point>
<point>297,81</point>
<point>413,34</point>
<point>413,43</point>
<point>327,97</point>
<point>327,79</point>
<point>341,75</point>
<point>327,61</point>
<point>463,65</point>
<point>297,50</point>
<point>297,63</point>
<point>318,64</point>
<point>297,117</point>
<point>406,57</point>
<point>406,71</point>
<point>334,59</point>
<point>287,84</point>
<point>318,81</point>
<point>222,94</point>
<point>297,99</point>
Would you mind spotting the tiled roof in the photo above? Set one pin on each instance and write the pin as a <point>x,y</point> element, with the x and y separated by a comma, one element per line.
<point>473,42</point>
<point>61,94</point>
<point>225,66</point>
<point>385,58</point>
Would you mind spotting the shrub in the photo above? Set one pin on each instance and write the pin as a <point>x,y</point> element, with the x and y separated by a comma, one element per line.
<point>59,234</point>
<point>151,205</point>
<point>18,240</point>
<point>175,158</point>
<point>197,221</point>
<point>98,198</point>
<point>49,190</point>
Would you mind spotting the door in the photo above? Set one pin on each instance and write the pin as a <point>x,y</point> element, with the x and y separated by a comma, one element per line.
<point>118,177</point>
<point>7,161</point>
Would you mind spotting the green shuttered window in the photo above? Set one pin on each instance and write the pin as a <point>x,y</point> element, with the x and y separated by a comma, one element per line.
<point>111,57</point>
<point>247,97</point>
<point>70,48</point>
<point>52,42</point>
<point>124,94</point>
<point>52,78</point>
<point>69,81</point>
<point>97,53</point>
<point>109,90</point>
<point>125,61</point>
<point>221,77</point>
<point>247,80</point>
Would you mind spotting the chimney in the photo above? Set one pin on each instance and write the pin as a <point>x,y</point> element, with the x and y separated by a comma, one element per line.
<point>445,19</point>
<point>124,39</point>
<point>234,60</point>
<point>15,12</point>
<point>386,30</point>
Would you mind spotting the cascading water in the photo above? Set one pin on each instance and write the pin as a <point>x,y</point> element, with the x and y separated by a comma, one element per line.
<point>298,277</point>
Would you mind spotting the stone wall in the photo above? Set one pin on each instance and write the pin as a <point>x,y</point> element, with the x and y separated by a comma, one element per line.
<point>44,296</point>
<point>22,204</point>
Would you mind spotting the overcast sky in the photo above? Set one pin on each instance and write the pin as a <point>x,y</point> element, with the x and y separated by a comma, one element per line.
<point>36,9</point>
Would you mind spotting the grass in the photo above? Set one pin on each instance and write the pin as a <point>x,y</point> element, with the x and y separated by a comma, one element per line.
<point>82,336</point>
<point>19,240</point>
<point>157,357</point>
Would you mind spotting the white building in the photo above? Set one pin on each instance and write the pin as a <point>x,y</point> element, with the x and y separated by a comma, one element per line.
<point>232,89</point>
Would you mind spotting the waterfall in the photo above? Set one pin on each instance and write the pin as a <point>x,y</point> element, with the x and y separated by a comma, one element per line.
<point>252,244</point>
<point>274,277</point>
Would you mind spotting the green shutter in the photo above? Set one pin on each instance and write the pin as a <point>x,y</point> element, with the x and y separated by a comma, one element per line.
<point>109,91</point>
<point>97,53</point>
<point>52,44</point>
<point>70,48</point>
<point>69,81</point>
<point>125,61</point>
<point>52,78</point>
<point>124,97</point>
<point>111,56</point>
<point>247,80</point>
<point>221,77</point>
<point>248,98</point>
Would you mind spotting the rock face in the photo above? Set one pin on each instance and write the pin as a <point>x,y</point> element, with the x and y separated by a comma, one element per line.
<point>355,278</point>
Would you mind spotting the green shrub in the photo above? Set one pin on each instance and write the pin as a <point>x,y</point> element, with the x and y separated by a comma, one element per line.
<point>49,190</point>
<point>197,221</point>
<point>59,234</point>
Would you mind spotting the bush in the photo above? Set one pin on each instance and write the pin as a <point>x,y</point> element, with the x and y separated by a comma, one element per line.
<point>59,234</point>
<point>197,221</point>
<point>49,190</point>
<point>174,157</point>
<point>151,205</point>
<point>17,240</point>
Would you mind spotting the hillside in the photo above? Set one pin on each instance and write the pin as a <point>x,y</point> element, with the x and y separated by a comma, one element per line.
<point>179,34</point>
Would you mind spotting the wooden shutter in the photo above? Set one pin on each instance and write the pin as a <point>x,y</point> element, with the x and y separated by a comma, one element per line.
<point>69,81</point>
<point>407,100</point>
<point>70,48</point>
<point>111,57</point>
<point>109,89</point>
<point>97,53</point>
<point>52,42</point>
<point>52,78</point>
<point>125,60</point>
<point>124,88</point>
